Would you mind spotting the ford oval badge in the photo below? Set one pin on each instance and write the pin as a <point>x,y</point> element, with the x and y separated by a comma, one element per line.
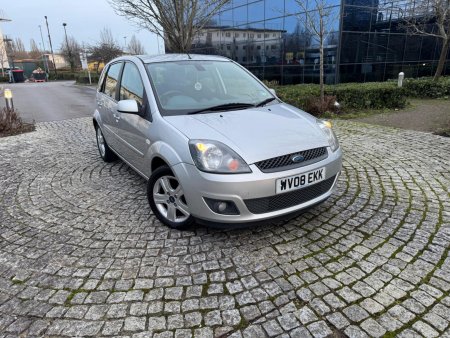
<point>297,158</point>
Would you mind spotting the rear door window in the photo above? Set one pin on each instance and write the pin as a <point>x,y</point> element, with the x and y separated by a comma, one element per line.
<point>111,80</point>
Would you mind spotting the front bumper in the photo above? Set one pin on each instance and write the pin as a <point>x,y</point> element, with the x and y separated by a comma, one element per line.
<point>241,187</point>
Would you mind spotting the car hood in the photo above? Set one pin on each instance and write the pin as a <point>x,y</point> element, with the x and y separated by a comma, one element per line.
<point>257,133</point>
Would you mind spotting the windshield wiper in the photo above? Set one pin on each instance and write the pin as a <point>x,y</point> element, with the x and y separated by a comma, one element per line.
<point>266,101</point>
<point>222,107</point>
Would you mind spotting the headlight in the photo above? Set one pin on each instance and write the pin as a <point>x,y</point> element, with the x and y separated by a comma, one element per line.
<point>216,157</point>
<point>329,133</point>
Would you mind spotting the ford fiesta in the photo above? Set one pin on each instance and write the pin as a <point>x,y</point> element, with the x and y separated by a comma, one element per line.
<point>214,143</point>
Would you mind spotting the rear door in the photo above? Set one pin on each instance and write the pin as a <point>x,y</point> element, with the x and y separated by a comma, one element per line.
<point>134,129</point>
<point>109,104</point>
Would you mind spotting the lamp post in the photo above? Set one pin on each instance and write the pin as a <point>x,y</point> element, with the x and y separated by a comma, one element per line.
<point>51,47</point>
<point>68,48</point>
<point>47,70</point>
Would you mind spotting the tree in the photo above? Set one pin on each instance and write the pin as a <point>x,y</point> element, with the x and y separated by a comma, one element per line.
<point>319,20</point>
<point>106,49</point>
<point>71,52</point>
<point>34,53</point>
<point>431,18</point>
<point>135,47</point>
<point>18,49</point>
<point>176,21</point>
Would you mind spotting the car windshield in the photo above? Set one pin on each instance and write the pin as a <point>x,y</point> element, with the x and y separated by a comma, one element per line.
<point>195,86</point>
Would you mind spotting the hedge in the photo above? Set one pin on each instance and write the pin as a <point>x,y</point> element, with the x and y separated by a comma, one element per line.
<point>84,78</point>
<point>349,95</point>
<point>62,75</point>
<point>427,88</point>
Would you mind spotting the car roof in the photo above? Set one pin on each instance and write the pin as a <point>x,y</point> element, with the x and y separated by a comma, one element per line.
<point>180,57</point>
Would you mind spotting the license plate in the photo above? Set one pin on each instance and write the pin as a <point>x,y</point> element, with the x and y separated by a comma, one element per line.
<point>295,182</point>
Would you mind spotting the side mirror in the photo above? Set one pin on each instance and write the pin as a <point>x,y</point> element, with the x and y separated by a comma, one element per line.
<point>128,106</point>
<point>273,91</point>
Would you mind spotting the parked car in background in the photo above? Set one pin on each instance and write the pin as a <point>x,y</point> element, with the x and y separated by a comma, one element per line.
<point>214,143</point>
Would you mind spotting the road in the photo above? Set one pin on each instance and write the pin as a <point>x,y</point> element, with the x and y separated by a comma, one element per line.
<point>52,101</point>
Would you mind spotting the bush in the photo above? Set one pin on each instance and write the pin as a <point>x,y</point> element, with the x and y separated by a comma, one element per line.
<point>350,95</point>
<point>84,78</point>
<point>62,76</point>
<point>4,78</point>
<point>427,88</point>
<point>316,107</point>
<point>375,95</point>
<point>12,124</point>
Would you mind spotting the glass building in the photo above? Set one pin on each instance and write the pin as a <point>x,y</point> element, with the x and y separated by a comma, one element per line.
<point>365,41</point>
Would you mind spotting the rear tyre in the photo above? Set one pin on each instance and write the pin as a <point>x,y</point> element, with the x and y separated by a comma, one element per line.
<point>167,200</point>
<point>105,151</point>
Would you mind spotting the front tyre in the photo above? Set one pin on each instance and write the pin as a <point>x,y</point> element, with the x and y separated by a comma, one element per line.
<point>167,200</point>
<point>105,151</point>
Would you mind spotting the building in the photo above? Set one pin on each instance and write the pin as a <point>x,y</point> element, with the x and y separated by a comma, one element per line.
<point>4,64</point>
<point>365,41</point>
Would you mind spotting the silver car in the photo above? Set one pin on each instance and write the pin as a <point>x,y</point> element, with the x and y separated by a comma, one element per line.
<point>215,144</point>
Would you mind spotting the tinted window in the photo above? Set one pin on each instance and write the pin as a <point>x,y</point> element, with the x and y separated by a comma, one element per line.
<point>131,87</point>
<point>111,79</point>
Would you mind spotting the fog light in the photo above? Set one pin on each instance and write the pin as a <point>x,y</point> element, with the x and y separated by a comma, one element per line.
<point>222,207</point>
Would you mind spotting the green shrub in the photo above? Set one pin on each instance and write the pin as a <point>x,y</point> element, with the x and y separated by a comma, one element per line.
<point>84,78</point>
<point>375,95</point>
<point>4,78</point>
<point>62,75</point>
<point>349,95</point>
<point>427,88</point>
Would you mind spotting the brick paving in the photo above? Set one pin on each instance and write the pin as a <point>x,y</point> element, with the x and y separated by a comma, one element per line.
<point>81,254</point>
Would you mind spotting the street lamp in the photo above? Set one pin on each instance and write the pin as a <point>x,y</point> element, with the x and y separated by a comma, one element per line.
<point>47,70</point>
<point>51,47</point>
<point>68,47</point>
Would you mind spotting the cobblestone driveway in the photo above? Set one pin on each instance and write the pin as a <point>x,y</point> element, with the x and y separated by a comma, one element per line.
<point>80,253</point>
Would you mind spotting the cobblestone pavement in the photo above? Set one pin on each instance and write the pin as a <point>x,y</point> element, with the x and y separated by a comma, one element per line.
<point>81,255</point>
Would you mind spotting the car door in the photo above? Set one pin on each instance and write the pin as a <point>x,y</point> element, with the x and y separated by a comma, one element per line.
<point>133,129</point>
<point>107,100</point>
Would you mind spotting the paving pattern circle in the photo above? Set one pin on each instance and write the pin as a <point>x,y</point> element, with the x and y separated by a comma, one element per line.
<point>82,255</point>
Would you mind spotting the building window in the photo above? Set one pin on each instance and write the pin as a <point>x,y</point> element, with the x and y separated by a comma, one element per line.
<point>259,36</point>
<point>236,35</point>
<point>274,35</point>
<point>244,35</point>
<point>266,35</point>
<point>273,47</point>
<point>258,47</point>
<point>267,47</point>
<point>237,47</point>
<point>228,35</point>
<point>252,36</point>
<point>228,47</point>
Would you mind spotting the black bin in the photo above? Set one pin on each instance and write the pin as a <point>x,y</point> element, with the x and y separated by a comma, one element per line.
<point>18,75</point>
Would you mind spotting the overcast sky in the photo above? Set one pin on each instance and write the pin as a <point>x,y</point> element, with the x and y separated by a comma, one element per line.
<point>85,19</point>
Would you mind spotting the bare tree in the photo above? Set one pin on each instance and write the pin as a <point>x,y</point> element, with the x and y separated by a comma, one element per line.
<point>176,21</point>
<point>135,47</point>
<point>106,49</point>
<point>319,20</point>
<point>71,52</point>
<point>431,18</point>
<point>18,49</point>
<point>34,53</point>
